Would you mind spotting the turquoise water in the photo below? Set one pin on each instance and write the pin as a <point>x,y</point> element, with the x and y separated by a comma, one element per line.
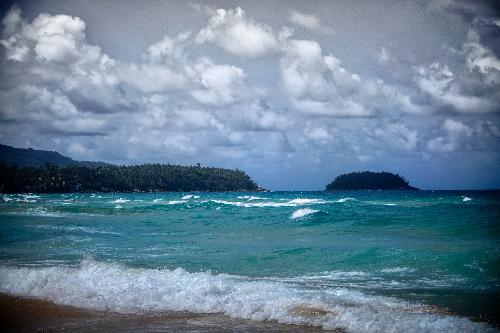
<point>362,261</point>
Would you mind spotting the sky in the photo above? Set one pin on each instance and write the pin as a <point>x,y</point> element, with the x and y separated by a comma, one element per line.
<point>294,93</point>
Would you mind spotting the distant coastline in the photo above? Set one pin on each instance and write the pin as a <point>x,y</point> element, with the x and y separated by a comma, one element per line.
<point>38,171</point>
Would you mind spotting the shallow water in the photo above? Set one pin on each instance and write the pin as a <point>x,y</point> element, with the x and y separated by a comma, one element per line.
<point>362,261</point>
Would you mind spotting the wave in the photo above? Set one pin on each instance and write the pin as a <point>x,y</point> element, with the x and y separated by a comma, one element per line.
<point>41,211</point>
<point>345,199</point>
<point>250,197</point>
<point>74,229</point>
<point>290,203</point>
<point>303,212</point>
<point>465,199</point>
<point>121,200</point>
<point>190,196</point>
<point>29,196</point>
<point>387,279</point>
<point>115,287</point>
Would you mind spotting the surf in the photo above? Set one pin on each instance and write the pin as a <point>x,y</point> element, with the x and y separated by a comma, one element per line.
<point>115,287</point>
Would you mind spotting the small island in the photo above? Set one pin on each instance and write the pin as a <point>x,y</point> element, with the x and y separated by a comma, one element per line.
<point>367,180</point>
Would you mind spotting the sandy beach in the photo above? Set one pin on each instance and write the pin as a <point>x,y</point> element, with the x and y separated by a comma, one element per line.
<point>20,314</point>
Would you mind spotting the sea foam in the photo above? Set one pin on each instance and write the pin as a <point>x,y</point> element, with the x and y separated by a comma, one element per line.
<point>114,287</point>
<point>344,200</point>
<point>289,203</point>
<point>303,212</point>
<point>190,196</point>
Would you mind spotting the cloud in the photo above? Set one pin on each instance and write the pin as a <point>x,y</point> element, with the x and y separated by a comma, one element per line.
<point>41,101</point>
<point>308,21</point>
<point>169,50</point>
<point>319,85</point>
<point>481,58</point>
<point>232,91</point>
<point>398,136</point>
<point>218,84</point>
<point>383,56</point>
<point>233,31</point>
<point>469,81</point>
<point>458,136</point>
<point>441,83</point>
<point>151,78</point>
<point>455,134</point>
<point>318,134</point>
<point>48,38</point>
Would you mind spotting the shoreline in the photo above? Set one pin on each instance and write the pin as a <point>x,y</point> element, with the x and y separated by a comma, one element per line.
<point>26,314</point>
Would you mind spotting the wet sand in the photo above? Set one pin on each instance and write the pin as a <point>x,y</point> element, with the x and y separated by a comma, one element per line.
<point>19,314</point>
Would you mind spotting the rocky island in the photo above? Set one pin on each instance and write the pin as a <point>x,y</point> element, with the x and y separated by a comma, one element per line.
<point>367,180</point>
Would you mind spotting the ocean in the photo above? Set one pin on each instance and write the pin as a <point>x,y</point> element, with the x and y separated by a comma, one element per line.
<point>357,261</point>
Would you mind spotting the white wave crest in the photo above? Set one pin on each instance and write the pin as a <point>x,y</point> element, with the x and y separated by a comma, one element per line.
<point>190,196</point>
<point>176,202</point>
<point>303,201</point>
<point>344,200</point>
<point>114,287</point>
<point>29,196</point>
<point>42,211</point>
<point>121,200</point>
<point>290,203</point>
<point>250,197</point>
<point>303,212</point>
<point>465,199</point>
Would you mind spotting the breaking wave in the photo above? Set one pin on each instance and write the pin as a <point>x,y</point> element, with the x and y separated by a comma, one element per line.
<point>115,287</point>
<point>303,212</point>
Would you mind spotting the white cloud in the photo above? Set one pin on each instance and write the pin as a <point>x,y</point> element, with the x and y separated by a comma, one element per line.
<point>56,38</point>
<point>481,58</point>
<point>40,102</point>
<point>311,22</point>
<point>169,50</point>
<point>455,136</point>
<point>319,134</point>
<point>442,84</point>
<point>151,78</point>
<point>318,84</point>
<point>217,84</point>
<point>467,80</point>
<point>236,33</point>
<point>307,21</point>
<point>383,56</point>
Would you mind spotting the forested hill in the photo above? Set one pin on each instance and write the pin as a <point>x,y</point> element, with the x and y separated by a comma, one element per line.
<point>68,175</point>
<point>28,157</point>
<point>32,157</point>
<point>367,180</point>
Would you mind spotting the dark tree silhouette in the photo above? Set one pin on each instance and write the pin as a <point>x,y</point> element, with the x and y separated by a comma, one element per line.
<point>368,180</point>
<point>113,178</point>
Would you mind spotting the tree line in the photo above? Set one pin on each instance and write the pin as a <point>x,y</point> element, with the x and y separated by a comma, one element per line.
<point>367,180</point>
<point>113,178</point>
